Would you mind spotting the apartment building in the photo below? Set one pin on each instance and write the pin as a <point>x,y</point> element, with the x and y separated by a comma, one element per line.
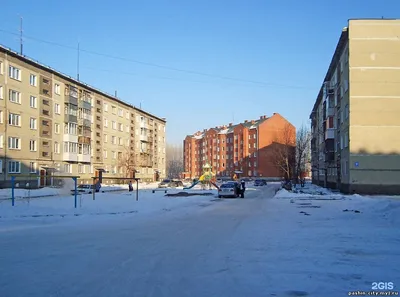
<point>248,147</point>
<point>52,124</point>
<point>355,119</point>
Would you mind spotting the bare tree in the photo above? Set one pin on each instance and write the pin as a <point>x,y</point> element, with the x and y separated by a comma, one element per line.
<point>174,155</point>
<point>303,150</point>
<point>283,150</point>
<point>127,161</point>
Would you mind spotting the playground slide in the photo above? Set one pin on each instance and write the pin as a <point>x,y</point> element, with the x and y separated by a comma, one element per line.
<point>214,184</point>
<point>195,183</point>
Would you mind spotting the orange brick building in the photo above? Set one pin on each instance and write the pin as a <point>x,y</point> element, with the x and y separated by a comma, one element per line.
<point>249,147</point>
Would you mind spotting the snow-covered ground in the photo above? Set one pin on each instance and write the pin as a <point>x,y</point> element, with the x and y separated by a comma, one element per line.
<point>314,243</point>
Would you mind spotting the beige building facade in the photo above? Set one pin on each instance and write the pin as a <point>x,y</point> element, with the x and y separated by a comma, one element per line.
<point>355,119</point>
<point>52,124</point>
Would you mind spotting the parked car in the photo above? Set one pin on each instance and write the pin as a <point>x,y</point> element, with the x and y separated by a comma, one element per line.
<point>83,189</point>
<point>170,183</point>
<point>260,182</point>
<point>229,189</point>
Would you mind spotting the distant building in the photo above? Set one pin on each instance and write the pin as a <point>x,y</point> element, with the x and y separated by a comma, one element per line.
<point>355,119</point>
<point>249,147</point>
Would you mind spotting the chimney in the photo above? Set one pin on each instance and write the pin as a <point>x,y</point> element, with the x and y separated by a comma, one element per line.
<point>245,121</point>
<point>252,121</point>
<point>224,127</point>
<point>261,117</point>
<point>274,113</point>
<point>230,124</point>
<point>265,116</point>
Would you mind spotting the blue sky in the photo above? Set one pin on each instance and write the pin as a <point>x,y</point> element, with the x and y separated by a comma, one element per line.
<point>286,45</point>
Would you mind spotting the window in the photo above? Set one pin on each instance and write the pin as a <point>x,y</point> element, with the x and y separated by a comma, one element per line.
<point>120,141</point>
<point>114,155</point>
<point>57,128</point>
<point>255,154</point>
<point>15,96</point>
<point>1,67</point>
<point>127,129</point>
<point>70,147</point>
<point>346,139</point>
<point>32,167</point>
<point>105,123</point>
<point>14,143</point>
<point>121,127</point>
<point>105,138</point>
<point>127,115</point>
<point>33,145</point>
<point>33,80</point>
<point>14,167</point>
<point>114,125</point>
<point>105,154</point>
<point>67,168</point>
<point>346,85</point>
<point>341,142</point>
<point>1,92</point>
<point>114,109</point>
<point>57,89</point>
<point>14,72</point>
<point>81,168</point>
<point>113,140</point>
<point>14,119</point>
<point>56,148</point>
<point>120,112</point>
<point>57,108</point>
<point>71,128</point>
<point>105,107</point>
<point>346,111</point>
<point>33,102</point>
<point>33,123</point>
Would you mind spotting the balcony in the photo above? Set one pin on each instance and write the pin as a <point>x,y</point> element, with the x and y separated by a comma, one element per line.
<point>70,157</point>
<point>71,100</point>
<point>69,118</point>
<point>70,138</point>
<point>84,158</point>
<point>330,111</point>
<point>329,134</point>
<point>84,104</point>
<point>143,125</point>
<point>84,140</point>
<point>84,122</point>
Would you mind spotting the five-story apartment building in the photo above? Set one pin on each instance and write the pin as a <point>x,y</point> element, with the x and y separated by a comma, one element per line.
<point>248,147</point>
<point>52,124</point>
<point>355,119</point>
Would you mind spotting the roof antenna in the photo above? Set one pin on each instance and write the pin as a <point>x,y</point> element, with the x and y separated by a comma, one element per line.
<point>20,37</point>
<point>115,94</point>
<point>78,63</point>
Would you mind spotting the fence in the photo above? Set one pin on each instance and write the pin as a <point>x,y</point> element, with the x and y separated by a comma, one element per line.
<point>33,177</point>
<point>100,179</point>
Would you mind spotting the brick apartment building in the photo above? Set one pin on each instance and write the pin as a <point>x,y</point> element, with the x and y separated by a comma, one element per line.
<point>355,118</point>
<point>246,147</point>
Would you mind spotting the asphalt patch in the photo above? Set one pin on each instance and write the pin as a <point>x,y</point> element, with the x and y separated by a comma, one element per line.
<point>186,194</point>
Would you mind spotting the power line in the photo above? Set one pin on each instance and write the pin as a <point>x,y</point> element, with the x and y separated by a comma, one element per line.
<point>161,66</point>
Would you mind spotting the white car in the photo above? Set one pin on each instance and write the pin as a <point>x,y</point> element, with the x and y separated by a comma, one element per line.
<point>83,189</point>
<point>229,189</point>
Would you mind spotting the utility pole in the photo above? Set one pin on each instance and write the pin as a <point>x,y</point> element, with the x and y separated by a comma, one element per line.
<point>20,36</point>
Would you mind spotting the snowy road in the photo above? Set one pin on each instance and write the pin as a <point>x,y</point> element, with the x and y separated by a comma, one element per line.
<point>234,247</point>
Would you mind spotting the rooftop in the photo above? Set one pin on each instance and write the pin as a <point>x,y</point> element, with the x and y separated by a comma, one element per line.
<point>37,64</point>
